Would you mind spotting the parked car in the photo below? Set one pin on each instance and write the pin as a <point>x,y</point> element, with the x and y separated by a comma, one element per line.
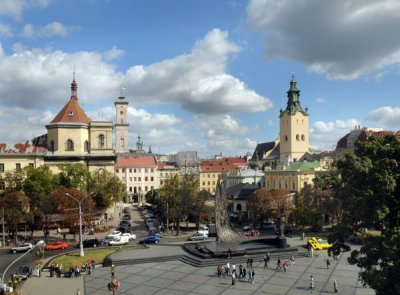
<point>198,237</point>
<point>57,245</point>
<point>318,243</point>
<point>91,242</point>
<point>21,248</point>
<point>251,233</point>
<point>24,272</point>
<point>129,235</point>
<point>121,240</point>
<point>115,233</point>
<point>203,230</point>
<point>150,240</point>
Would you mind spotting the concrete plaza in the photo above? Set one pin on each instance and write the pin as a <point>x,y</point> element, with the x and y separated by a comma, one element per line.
<point>175,277</point>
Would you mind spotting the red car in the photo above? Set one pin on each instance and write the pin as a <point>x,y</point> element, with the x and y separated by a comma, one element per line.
<point>57,245</point>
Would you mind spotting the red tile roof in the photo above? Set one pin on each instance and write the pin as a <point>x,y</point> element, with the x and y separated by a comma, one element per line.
<point>217,166</point>
<point>22,148</point>
<point>136,162</point>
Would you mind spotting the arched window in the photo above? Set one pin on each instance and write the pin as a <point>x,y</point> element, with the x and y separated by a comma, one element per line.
<point>101,141</point>
<point>297,137</point>
<point>286,138</point>
<point>239,207</point>
<point>52,146</point>
<point>303,137</point>
<point>86,146</point>
<point>70,145</point>
<point>122,142</point>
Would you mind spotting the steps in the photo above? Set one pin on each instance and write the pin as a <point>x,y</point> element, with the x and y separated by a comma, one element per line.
<point>147,260</point>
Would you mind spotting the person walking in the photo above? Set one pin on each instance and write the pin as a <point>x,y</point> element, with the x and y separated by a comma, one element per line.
<point>285,265</point>
<point>234,269</point>
<point>112,270</point>
<point>233,277</point>
<point>248,261</point>
<point>251,262</point>
<point>312,283</point>
<point>328,263</point>
<point>292,261</point>
<point>219,270</point>
<point>278,264</point>
<point>228,269</point>
<point>253,276</point>
<point>249,280</point>
<point>335,286</point>
<point>265,262</point>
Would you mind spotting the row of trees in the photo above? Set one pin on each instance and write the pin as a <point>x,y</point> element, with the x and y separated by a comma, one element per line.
<point>180,200</point>
<point>33,195</point>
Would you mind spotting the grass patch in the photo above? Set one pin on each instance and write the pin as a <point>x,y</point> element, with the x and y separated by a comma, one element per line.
<point>74,259</point>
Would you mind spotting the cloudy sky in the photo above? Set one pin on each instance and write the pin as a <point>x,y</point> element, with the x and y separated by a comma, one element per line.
<point>206,75</point>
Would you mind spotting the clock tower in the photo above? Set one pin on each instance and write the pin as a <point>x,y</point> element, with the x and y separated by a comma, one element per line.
<point>121,125</point>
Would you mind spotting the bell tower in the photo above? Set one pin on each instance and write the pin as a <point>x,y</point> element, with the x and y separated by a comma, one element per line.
<point>121,125</point>
<point>294,134</point>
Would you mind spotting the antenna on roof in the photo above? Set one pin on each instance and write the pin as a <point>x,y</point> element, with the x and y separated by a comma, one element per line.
<point>122,87</point>
<point>73,74</point>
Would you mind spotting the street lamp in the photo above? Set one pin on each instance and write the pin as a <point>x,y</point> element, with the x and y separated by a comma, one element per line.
<point>81,253</point>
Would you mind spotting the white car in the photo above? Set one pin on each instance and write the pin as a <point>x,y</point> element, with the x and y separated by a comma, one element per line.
<point>130,236</point>
<point>203,230</point>
<point>22,248</point>
<point>115,233</point>
<point>121,240</point>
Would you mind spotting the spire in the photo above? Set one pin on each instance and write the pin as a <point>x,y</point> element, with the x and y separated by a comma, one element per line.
<point>139,143</point>
<point>293,103</point>
<point>150,152</point>
<point>74,87</point>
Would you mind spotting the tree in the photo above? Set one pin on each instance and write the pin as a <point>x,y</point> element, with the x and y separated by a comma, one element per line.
<point>38,183</point>
<point>107,188</point>
<point>15,204</point>
<point>370,198</point>
<point>74,176</point>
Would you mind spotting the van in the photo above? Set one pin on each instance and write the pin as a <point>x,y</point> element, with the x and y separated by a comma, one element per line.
<point>121,240</point>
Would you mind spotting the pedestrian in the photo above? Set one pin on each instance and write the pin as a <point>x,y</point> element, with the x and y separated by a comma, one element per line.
<point>234,269</point>
<point>292,261</point>
<point>244,273</point>
<point>303,236</point>
<point>278,264</point>
<point>112,270</point>
<point>78,292</point>
<point>335,286</point>
<point>249,280</point>
<point>228,269</point>
<point>311,252</point>
<point>312,283</point>
<point>219,270</point>
<point>240,271</point>
<point>285,265</point>
<point>248,261</point>
<point>229,253</point>
<point>265,262</point>
<point>233,277</point>
<point>253,276</point>
<point>251,262</point>
<point>327,263</point>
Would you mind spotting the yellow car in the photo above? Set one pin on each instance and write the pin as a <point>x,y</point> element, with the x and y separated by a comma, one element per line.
<point>319,244</point>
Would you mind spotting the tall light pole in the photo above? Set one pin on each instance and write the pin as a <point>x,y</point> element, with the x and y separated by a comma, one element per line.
<point>81,253</point>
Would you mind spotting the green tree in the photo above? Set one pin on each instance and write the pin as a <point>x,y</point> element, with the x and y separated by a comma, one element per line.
<point>74,176</point>
<point>107,188</point>
<point>38,183</point>
<point>370,198</point>
<point>15,204</point>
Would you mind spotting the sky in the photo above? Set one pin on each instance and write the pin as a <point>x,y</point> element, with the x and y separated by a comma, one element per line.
<point>207,76</point>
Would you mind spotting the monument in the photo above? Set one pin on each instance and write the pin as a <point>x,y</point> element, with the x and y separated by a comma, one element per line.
<point>225,234</point>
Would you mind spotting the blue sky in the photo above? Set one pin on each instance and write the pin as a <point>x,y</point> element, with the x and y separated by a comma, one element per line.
<point>202,75</point>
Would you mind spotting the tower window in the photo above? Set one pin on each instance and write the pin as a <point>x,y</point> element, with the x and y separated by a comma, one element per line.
<point>86,146</point>
<point>70,114</point>
<point>101,141</point>
<point>297,137</point>
<point>303,137</point>
<point>286,138</point>
<point>70,145</point>
<point>122,143</point>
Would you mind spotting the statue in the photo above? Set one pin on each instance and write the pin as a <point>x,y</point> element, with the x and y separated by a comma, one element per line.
<point>281,225</point>
<point>222,223</point>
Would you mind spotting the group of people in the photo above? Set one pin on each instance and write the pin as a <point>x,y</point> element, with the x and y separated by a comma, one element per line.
<point>72,272</point>
<point>230,270</point>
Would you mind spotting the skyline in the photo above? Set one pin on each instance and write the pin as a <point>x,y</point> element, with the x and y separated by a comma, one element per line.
<point>209,76</point>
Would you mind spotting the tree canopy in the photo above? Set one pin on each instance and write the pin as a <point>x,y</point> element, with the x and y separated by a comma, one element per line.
<point>370,197</point>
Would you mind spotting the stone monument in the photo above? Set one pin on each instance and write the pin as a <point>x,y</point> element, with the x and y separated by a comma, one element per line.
<point>225,234</point>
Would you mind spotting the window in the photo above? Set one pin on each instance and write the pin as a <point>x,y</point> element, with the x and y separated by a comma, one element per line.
<point>18,166</point>
<point>152,170</point>
<point>51,146</point>
<point>123,170</point>
<point>152,187</point>
<point>204,183</point>
<point>130,170</point>
<point>1,167</point>
<point>130,178</point>
<point>86,146</point>
<point>145,170</point>
<point>286,138</point>
<point>130,189</point>
<point>134,179</point>
<point>2,185</point>
<point>161,175</point>
<point>134,190</point>
<point>101,141</point>
<point>297,137</point>
<point>134,170</point>
<point>122,142</point>
<point>151,178</point>
<point>161,182</point>
<point>139,179</point>
<point>145,189</point>
<point>208,183</point>
<point>116,170</point>
<point>303,138</point>
<point>31,165</point>
<point>146,178</point>
<point>70,145</point>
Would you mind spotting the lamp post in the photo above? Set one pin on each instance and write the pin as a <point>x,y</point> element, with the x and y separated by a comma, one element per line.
<point>81,253</point>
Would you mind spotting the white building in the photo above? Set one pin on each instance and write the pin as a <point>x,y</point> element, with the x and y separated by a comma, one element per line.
<point>250,176</point>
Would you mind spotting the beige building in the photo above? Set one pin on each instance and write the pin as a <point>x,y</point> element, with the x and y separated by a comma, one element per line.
<point>166,170</point>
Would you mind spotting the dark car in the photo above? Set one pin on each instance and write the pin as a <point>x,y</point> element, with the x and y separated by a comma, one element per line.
<point>24,272</point>
<point>92,242</point>
<point>150,240</point>
<point>125,223</point>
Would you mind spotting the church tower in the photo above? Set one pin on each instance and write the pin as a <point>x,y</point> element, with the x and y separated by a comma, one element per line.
<point>294,132</point>
<point>121,125</point>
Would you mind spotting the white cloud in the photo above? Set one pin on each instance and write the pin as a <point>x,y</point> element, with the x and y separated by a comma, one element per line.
<point>197,81</point>
<point>12,8</point>
<point>113,53</point>
<point>5,31</point>
<point>386,117</point>
<point>340,39</point>
<point>325,135</point>
<point>47,31</point>
<point>320,100</point>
